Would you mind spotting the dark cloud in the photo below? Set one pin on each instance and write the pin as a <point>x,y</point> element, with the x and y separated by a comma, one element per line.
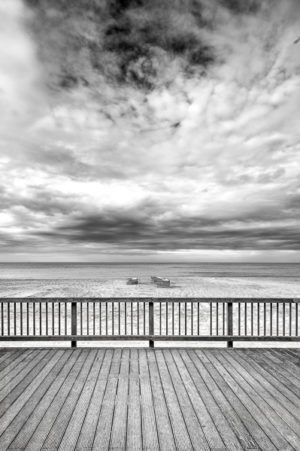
<point>243,6</point>
<point>139,230</point>
<point>126,42</point>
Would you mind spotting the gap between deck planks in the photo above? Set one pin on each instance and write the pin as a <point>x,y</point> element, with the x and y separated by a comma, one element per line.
<point>144,399</point>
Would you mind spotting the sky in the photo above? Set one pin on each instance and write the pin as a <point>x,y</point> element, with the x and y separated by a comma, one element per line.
<point>150,131</point>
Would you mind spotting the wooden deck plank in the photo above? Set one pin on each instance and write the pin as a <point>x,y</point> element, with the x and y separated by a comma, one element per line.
<point>86,438</point>
<point>261,410</point>
<point>9,361</point>
<point>13,367</point>
<point>243,423</point>
<point>233,419</point>
<point>279,409</point>
<point>103,430</point>
<point>276,378</point>
<point>119,424</point>
<point>181,434</point>
<point>149,425</point>
<point>289,365</point>
<point>18,374</point>
<point>62,420</point>
<point>134,418</point>
<point>23,437</point>
<point>228,375</point>
<point>27,373</point>
<point>291,380</point>
<point>40,434</point>
<point>145,399</point>
<point>30,407</point>
<point>164,427</point>
<point>193,383</point>
<point>189,414</point>
<point>198,371</point>
<point>73,429</point>
<point>41,371</point>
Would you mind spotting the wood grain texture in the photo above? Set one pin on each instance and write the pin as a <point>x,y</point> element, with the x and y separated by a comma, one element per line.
<point>144,399</point>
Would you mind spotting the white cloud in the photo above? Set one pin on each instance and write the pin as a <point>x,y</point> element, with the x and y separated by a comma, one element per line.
<point>220,146</point>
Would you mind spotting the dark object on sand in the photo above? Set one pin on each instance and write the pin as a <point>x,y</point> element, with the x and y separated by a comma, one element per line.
<point>133,281</point>
<point>155,279</point>
<point>160,282</point>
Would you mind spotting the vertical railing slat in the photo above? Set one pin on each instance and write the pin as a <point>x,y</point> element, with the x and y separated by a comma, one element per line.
<point>229,323</point>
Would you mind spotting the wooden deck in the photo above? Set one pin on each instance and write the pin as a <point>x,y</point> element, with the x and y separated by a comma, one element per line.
<point>134,399</point>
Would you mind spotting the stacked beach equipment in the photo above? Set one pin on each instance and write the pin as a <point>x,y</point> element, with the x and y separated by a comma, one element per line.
<point>161,282</point>
<point>132,281</point>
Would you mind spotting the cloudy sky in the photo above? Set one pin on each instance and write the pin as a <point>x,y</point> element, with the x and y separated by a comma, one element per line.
<point>150,130</point>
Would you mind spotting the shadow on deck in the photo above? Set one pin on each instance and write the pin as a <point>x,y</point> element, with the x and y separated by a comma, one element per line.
<point>134,399</point>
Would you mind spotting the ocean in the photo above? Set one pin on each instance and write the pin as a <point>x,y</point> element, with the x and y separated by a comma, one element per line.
<point>187,279</point>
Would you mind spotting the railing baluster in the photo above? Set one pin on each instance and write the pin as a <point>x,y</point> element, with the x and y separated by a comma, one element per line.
<point>106,318</point>
<point>66,315</point>
<point>27,318</point>
<point>87,318</point>
<point>223,315</point>
<point>198,318</point>
<point>119,317</point>
<point>40,318</point>
<point>8,318</point>
<point>2,320</point>
<point>15,319</point>
<point>144,317</point>
<point>125,318</point>
<point>131,317</point>
<point>173,319</point>
<point>239,318</point>
<point>229,324</point>
<point>21,318</point>
<point>100,318</point>
<point>192,318</point>
<point>210,318</point>
<point>290,319</point>
<point>59,317</point>
<point>151,324</point>
<point>185,319</point>
<point>217,318</point>
<point>271,319</point>
<point>53,323</point>
<point>296,325</point>
<point>265,325</point>
<point>283,319</point>
<point>258,319</point>
<point>33,305</point>
<point>245,318</point>
<point>167,330</point>
<point>160,318</point>
<point>74,323</point>
<point>252,319</point>
<point>277,319</point>
<point>46,318</point>
<point>179,317</point>
<point>94,318</point>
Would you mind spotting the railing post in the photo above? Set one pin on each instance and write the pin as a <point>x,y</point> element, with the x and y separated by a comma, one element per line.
<point>151,324</point>
<point>229,324</point>
<point>74,323</point>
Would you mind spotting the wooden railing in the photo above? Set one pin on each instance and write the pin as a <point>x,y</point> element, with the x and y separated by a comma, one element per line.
<point>159,319</point>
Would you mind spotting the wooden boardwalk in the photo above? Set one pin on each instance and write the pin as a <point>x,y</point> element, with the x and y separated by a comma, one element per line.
<point>143,399</point>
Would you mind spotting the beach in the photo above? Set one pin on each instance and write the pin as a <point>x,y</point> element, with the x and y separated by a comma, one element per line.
<point>187,280</point>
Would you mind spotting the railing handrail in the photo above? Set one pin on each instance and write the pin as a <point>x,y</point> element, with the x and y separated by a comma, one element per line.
<point>165,318</point>
<point>149,299</point>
